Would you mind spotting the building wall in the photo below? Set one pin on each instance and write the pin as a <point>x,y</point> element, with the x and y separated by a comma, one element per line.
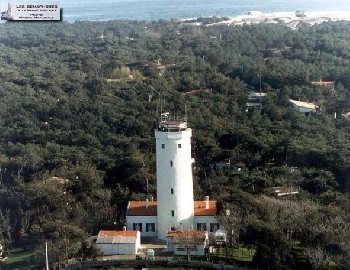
<point>174,180</point>
<point>181,249</point>
<point>115,249</point>
<point>209,222</point>
<point>131,220</point>
<point>197,250</point>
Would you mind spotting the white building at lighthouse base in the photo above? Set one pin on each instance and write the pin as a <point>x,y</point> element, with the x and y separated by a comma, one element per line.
<point>142,216</point>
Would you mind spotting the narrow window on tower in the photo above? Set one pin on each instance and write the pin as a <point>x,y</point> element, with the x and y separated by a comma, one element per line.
<point>179,145</point>
<point>171,163</point>
<point>163,145</point>
<point>172,191</point>
<point>172,213</point>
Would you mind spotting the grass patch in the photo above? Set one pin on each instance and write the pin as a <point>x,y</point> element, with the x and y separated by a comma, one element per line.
<point>238,253</point>
<point>18,259</point>
<point>243,254</point>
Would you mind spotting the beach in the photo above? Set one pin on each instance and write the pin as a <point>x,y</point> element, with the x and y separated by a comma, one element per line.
<point>292,19</point>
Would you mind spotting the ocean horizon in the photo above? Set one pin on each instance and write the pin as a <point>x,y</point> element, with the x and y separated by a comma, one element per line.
<point>105,10</point>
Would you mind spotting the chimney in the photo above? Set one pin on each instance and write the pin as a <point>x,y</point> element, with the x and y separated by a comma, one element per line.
<point>146,203</point>
<point>124,228</point>
<point>206,202</point>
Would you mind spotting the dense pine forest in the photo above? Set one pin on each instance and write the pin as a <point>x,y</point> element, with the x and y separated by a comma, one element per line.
<point>80,102</point>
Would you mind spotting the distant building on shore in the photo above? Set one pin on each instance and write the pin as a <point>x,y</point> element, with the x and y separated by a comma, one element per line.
<point>327,84</point>
<point>255,13</point>
<point>255,100</point>
<point>303,107</point>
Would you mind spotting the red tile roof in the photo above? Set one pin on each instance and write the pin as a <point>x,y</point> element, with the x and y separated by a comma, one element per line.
<point>105,233</point>
<point>328,84</point>
<point>200,210</point>
<point>117,237</point>
<point>178,237</point>
<point>138,208</point>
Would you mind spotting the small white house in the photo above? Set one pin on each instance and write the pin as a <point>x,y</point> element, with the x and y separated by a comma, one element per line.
<point>118,242</point>
<point>185,243</point>
<point>303,107</point>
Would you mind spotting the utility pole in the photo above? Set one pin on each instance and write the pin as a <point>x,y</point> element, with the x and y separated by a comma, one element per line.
<point>259,75</point>
<point>46,257</point>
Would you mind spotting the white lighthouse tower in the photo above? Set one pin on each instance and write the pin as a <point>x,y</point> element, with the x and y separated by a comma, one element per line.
<point>175,207</point>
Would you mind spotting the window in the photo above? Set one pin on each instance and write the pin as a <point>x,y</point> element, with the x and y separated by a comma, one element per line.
<point>214,227</point>
<point>150,227</point>
<point>172,191</point>
<point>163,145</point>
<point>137,227</point>
<point>171,163</point>
<point>172,213</point>
<point>201,226</point>
<point>179,145</point>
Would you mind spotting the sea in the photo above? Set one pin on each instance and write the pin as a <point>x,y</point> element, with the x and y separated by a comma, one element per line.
<point>104,10</point>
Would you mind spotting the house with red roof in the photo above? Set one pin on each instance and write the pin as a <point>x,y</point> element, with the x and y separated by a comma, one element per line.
<point>186,243</point>
<point>111,242</point>
<point>327,84</point>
